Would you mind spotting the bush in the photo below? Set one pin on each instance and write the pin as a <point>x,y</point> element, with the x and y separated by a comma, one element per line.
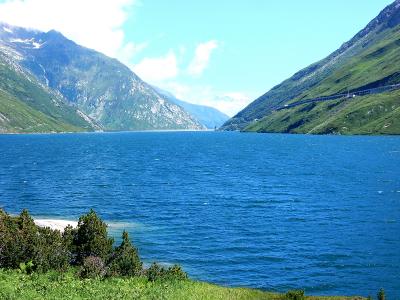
<point>295,295</point>
<point>22,241</point>
<point>156,272</point>
<point>125,260</point>
<point>68,242</point>
<point>381,294</point>
<point>26,268</point>
<point>30,248</point>
<point>10,246</point>
<point>92,267</point>
<point>176,272</point>
<point>91,238</point>
<point>51,253</point>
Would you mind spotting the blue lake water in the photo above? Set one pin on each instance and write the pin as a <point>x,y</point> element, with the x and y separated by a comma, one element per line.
<point>276,212</point>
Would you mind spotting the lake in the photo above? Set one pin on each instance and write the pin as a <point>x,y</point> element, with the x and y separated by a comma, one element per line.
<point>276,212</point>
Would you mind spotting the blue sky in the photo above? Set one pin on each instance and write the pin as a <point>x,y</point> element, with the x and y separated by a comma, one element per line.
<point>219,53</point>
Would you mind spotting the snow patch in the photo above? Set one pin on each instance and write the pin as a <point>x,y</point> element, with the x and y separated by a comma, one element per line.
<point>7,30</point>
<point>31,42</point>
<point>36,45</point>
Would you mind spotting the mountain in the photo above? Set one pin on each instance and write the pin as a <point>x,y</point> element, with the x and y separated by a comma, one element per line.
<point>370,59</point>
<point>207,116</point>
<point>26,105</point>
<point>100,87</point>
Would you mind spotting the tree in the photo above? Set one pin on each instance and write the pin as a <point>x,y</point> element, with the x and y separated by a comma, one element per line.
<point>381,294</point>
<point>68,236</point>
<point>9,244</point>
<point>23,242</point>
<point>91,238</point>
<point>50,251</point>
<point>125,260</point>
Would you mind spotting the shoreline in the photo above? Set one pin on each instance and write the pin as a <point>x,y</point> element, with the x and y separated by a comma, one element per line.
<point>101,132</point>
<point>55,224</point>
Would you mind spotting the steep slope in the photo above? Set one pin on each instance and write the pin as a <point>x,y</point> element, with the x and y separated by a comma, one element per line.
<point>207,116</point>
<point>371,59</point>
<point>101,87</point>
<point>28,106</point>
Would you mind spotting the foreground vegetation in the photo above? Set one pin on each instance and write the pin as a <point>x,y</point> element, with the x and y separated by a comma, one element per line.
<point>55,285</point>
<point>81,263</point>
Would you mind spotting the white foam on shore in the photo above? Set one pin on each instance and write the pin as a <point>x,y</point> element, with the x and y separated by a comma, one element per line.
<point>55,224</point>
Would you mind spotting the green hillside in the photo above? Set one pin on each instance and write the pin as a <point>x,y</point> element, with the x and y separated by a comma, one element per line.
<point>16,116</point>
<point>373,114</point>
<point>371,59</point>
<point>27,106</point>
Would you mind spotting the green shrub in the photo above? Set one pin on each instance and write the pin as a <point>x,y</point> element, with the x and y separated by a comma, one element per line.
<point>51,253</point>
<point>381,294</point>
<point>176,272</point>
<point>10,246</point>
<point>91,238</point>
<point>295,295</point>
<point>157,272</point>
<point>125,260</point>
<point>22,241</point>
<point>30,248</point>
<point>68,241</point>
<point>92,267</point>
<point>26,268</point>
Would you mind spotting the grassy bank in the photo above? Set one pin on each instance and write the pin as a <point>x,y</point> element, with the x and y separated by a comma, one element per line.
<point>82,263</point>
<point>55,285</point>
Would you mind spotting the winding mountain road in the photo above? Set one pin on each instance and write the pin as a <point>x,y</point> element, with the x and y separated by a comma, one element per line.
<point>349,95</point>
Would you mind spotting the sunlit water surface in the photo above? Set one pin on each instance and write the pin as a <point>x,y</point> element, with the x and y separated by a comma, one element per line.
<point>277,212</point>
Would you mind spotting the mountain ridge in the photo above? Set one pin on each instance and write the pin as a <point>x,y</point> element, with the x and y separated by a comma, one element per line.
<point>99,87</point>
<point>308,81</point>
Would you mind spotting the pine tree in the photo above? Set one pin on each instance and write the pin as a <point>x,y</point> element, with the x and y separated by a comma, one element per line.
<point>125,260</point>
<point>91,238</point>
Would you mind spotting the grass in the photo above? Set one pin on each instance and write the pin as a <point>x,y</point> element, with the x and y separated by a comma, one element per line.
<point>53,285</point>
<point>369,115</point>
<point>16,116</point>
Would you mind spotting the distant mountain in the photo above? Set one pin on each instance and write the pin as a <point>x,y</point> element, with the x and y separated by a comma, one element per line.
<point>208,116</point>
<point>26,105</point>
<point>370,59</point>
<point>102,88</point>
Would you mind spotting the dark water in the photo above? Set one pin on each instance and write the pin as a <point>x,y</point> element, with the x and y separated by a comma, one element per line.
<point>269,211</point>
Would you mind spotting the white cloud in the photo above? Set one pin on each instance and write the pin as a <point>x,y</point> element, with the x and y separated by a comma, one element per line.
<point>157,69</point>
<point>96,24</point>
<point>232,102</point>
<point>202,57</point>
<point>129,50</point>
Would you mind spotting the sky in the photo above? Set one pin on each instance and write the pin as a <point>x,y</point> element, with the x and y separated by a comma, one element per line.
<point>223,53</point>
